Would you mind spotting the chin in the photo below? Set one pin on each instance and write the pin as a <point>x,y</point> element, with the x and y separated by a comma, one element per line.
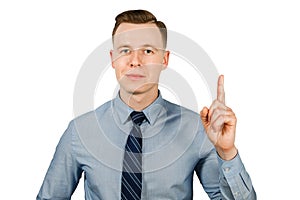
<point>140,89</point>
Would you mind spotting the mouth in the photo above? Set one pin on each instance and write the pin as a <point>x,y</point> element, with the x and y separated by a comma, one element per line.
<point>135,76</point>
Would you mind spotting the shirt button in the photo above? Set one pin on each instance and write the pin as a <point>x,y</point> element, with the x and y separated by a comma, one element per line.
<point>236,194</point>
<point>227,169</point>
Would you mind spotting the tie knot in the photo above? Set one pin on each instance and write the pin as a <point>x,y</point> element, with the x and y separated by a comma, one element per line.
<point>137,117</point>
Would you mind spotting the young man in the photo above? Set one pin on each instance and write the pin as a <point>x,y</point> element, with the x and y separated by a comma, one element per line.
<point>140,146</point>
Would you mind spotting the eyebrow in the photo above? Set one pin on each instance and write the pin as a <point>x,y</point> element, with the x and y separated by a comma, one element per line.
<point>124,46</point>
<point>144,45</point>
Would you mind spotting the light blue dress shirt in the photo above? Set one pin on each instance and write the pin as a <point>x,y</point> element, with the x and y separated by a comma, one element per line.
<point>174,146</point>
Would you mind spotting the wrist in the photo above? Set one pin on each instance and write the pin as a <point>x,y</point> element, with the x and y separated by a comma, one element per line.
<point>227,154</point>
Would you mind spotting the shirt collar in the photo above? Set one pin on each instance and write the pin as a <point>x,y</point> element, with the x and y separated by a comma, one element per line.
<point>122,111</point>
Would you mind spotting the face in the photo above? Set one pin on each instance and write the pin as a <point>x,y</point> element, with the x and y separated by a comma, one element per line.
<point>138,57</point>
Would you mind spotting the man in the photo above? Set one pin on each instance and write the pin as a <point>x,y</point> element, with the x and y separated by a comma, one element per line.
<point>150,147</point>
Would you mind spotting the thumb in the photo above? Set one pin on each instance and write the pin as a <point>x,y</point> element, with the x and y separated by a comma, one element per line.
<point>204,117</point>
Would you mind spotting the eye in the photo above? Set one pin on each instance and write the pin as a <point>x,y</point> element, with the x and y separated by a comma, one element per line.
<point>125,51</point>
<point>148,51</point>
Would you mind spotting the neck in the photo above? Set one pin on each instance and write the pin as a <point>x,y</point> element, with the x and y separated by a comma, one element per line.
<point>139,101</point>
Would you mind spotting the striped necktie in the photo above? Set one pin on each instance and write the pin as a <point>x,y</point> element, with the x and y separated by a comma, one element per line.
<point>131,187</point>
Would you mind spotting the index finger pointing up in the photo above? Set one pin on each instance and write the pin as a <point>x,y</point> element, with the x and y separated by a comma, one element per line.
<point>221,92</point>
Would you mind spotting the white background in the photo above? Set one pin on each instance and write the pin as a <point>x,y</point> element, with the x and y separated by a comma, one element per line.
<point>256,44</point>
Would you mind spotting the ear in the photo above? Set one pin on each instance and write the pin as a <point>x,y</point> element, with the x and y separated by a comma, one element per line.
<point>111,53</point>
<point>166,59</point>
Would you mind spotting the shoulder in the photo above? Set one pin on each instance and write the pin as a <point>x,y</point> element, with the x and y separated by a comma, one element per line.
<point>188,123</point>
<point>93,115</point>
<point>173,108</point>
<point>187,118</point>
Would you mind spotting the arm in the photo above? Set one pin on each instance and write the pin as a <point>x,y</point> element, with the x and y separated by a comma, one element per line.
<point>226,180</point>
<point>63,173</point>
<point>219,122</point>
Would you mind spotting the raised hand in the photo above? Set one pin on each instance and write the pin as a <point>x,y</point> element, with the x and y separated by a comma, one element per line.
<point>219,122</point>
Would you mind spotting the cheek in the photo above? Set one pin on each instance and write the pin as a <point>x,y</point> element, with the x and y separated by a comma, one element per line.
<point>154,71</point>
<point>119,62</point>
<point>120,69</point>
<point>119,72</point>
<point>152,63</point>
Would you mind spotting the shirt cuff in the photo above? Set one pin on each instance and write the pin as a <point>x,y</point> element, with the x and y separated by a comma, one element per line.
<point>230,168</point>
<point>234,175</point>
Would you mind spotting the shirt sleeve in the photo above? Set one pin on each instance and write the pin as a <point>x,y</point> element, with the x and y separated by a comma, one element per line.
<point>226,180</point>
<point>235,182</point>
<point>63,173</point>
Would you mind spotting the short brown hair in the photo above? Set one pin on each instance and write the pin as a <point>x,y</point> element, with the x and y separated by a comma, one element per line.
<point>140,17</point>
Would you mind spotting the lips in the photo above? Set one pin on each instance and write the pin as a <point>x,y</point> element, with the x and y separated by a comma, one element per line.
<point>135,76</point>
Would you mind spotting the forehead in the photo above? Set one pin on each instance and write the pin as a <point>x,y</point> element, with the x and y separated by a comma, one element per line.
<point>137,35</point>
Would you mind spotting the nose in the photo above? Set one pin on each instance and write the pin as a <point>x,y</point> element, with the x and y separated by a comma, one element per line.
<point>135,60</point>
